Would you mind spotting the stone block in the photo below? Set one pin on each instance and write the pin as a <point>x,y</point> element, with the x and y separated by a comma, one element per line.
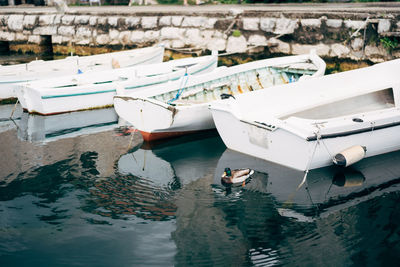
<point>30,21</point>
<point>83,42</point>
<point>114,34</point>
<point>334,23</point>
<point>278,46</point>
<point>165,21</point>
<point>7,36</point>
<point>177,44</point>
<point>321,49</point>
<point>45,20</point>
<point>384,25</point>
<point>125,37</point>
<point>149,22</point>
<point>267,24</point>
<point>83,20</point>
<point>132,22</point>
<point>339,50</point>
<point>251,24</point>
<point>207,34</point>
<point>67,19</point>
<point>102,21</point>
<point>66,30</point>
<point>193,37</point>
<point>113,21</point>
<point>196,22</point>
<point>67,39</point>
<point>45,30</point>
<point>93,20</point>
<point>34,39</point>
<point>57,19</point>
<point>311,23</point>
<point>236,44</point>
<point>137,36</point>
<point>210,22</point>
<point>218,34</point>
<point>151,35</point>
<point>354,24</point>
<point>21,37</point>
<point>15,22</point>
<point>375,51</point>
<point>258,40</point>
<point>170,33</point>
<point>56,39</point>
<point>357,44</point>
<point>218,44</point>
<point>356,55</point>
<point>102,39</point>
<point>83,32</point>
<point>286,26</point>
<point>176,20</point>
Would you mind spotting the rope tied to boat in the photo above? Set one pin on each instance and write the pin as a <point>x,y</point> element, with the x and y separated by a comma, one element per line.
<point>309,161</point>
<point>181,87</point>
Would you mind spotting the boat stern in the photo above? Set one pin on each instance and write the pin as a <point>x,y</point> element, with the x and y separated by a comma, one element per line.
<point>145,114</point>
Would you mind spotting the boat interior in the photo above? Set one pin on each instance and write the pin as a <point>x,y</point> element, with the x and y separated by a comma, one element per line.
<point>373,101</point>
<point>237,83</point>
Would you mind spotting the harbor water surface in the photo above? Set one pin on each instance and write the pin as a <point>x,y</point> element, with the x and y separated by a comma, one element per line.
<point>81,189</point>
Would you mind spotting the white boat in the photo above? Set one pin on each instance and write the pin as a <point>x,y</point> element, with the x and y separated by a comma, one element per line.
<point>96,89</point>
<point>182,107</point>
<point>308,124</point>
<point>10,75</point>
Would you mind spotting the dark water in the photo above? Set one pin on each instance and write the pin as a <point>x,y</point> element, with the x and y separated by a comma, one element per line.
<point>81,190</point>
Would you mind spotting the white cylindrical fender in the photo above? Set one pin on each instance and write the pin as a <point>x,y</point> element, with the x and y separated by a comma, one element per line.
<point>350,155</point>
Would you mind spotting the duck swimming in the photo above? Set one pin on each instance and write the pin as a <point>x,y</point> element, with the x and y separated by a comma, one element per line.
<point>236,177</point>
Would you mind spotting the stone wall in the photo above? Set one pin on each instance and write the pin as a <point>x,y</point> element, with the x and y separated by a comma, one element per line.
<point>357,36</point>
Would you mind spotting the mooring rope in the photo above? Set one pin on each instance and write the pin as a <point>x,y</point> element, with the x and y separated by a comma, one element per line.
<point>181,87</point>
<point>310,160</point>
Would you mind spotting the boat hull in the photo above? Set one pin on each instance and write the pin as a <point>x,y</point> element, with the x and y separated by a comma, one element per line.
<point>171,121</point>
<point>286,148</point>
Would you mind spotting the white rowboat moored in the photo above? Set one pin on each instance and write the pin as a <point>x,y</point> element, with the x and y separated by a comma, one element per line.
<point>11,75</point>
<point>337,118</point>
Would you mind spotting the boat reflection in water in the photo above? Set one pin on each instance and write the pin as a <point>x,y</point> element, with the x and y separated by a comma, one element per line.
<point>173,163</point>
<point>326,189</point>
<point>37,128</point>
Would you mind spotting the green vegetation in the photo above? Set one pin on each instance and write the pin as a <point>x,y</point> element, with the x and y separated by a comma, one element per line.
<point>236,33</point>
<point>389,43</point>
